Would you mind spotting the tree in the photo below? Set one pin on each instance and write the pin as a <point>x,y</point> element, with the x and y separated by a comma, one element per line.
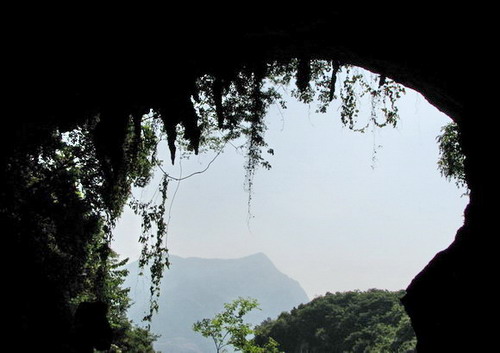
<point>127,337</point>
<point>370,322</point>
<point>229,329</point>
<point>452,157</point>
<point>62,214</point>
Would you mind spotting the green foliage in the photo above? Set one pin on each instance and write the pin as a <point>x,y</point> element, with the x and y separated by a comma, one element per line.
<point>107,190</point>
<point>134,340</point>
<point>372,321</point>
<point>451,161</point>
<point>53,217</point>
<point>233,104</point>
<point>127,337</point>
<point>65,195</point>
<point>229,329</point>
<point>63,210</point>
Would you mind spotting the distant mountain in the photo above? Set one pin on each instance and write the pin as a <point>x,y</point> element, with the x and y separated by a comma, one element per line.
<point>195,288</point>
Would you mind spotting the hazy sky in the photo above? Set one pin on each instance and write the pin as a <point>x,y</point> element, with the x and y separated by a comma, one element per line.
<point>326,214</point>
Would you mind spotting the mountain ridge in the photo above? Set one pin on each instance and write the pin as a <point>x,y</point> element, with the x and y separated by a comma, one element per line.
<point>194,288</point>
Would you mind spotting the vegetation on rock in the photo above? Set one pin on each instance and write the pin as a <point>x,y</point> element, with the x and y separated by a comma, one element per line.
<point>370,322</point>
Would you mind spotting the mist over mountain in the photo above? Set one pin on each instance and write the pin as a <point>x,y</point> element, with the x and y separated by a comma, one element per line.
<point>196,288</point>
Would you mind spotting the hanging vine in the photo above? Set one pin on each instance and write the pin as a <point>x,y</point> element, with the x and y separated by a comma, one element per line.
<point>232,104</point>
<point>118,148</point>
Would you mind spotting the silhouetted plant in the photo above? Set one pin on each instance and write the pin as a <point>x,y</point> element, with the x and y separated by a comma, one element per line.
<point>451,160</point>
<point>371,321</point>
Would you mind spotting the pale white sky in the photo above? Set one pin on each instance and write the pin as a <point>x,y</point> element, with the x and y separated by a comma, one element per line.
<point>325,214</point>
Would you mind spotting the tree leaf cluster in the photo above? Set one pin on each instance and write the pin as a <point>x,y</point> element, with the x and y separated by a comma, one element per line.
<point>60,209</point>
<point>229,329</point>
<point>127,336</point>
<point>232,103</point>
<point>452,158</point>
<point>350,322</point>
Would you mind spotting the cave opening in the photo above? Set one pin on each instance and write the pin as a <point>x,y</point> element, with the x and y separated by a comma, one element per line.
<point>60,82</point>
<point>369,210</point>
<point>301,166</point>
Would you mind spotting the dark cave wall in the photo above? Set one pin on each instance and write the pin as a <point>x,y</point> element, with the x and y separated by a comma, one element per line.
<point>452,300</point>
<point>59,79</point>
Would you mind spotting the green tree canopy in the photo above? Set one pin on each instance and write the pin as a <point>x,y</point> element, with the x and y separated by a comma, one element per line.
<point>228,328</point>
<point>351,322</point>
<point>451,160</point>
<point>127,336</point>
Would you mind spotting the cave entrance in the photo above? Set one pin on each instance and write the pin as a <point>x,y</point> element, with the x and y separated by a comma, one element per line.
<point>338,210</point>
<point>47,84</point>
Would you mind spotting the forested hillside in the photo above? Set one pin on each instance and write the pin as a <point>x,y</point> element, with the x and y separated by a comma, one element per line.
<point>194,288</point>
<point>356,322</point>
